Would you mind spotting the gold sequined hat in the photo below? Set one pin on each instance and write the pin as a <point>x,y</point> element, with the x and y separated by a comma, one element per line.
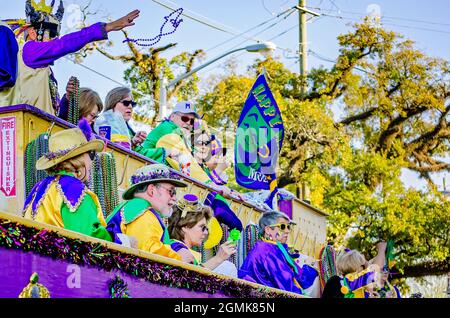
<point>67,144</point>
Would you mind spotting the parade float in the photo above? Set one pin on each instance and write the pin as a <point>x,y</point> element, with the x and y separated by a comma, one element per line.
<point>36,256</point>
<point>40,260</point>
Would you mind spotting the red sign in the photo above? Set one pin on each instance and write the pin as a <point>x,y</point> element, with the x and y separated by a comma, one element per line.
<point>8,156</point>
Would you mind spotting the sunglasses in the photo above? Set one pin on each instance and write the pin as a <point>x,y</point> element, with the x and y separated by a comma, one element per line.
<point>282,226</point>
<point>187,119</point>
<point>94,116</point>
<point>92,154</point>
<point>128,103</point>
<point>202,143</point>
<point>172,192</point>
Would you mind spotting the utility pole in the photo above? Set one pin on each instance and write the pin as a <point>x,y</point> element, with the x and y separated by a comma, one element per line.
<point>303,52</point>
<point>302,39</point>
<point>303,55</point>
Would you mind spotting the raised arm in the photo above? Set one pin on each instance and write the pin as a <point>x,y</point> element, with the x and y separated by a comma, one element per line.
<point>41,54</point>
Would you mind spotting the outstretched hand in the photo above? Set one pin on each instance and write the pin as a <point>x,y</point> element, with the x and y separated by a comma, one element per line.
<point>70,86</point>
<point>123,22</point>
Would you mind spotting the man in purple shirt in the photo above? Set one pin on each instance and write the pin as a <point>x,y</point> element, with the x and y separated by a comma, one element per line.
<point>43,47</point>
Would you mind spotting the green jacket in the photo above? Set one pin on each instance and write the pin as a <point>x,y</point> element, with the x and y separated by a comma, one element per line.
<point>148,147</point>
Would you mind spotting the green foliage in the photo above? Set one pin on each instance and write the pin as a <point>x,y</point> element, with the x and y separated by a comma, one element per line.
<point>393,102</point>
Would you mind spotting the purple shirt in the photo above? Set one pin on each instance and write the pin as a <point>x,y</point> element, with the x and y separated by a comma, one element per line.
<point>42,54</point>
<point>266,265</point>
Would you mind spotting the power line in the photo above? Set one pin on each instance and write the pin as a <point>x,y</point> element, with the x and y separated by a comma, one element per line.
<point>264,30</point>
<point>210,24</point>
<point>203,71</point>
<point>107,77</point>
<point>251,29</point>
<point>321,57</point>
<point>265,8</point>
<point>386,17</point>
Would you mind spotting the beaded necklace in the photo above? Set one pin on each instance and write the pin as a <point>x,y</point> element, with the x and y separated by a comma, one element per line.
<point>74,107</point>
<point>34,150</point>
<point>175,23</point>
<point>250,237</point>
<point>327,264</point>
<point>54,95</point>
<point>104,181</point>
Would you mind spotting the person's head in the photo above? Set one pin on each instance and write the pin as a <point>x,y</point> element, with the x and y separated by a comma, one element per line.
<point>384,276</point>
<point>275,226</point>
<point>351,262</point>
<point>184,114</point>
<point>119,100</point>
<point>44,25</point>
<point>70,150</point>
<point>90,104</point>
<point>157,184</point>
<point>202,147</point>
<point>189,222</point>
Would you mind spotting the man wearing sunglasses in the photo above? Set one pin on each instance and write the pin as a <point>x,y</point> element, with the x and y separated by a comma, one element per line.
<point>148,200</point>
<point>171,135</point>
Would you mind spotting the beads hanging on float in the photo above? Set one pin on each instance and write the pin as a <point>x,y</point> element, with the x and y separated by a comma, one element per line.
<point>34,150</point>
<point>103,181</point>
<point>74,103</point>
<point>327,264</point>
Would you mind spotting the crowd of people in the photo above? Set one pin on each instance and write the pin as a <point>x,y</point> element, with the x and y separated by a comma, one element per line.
<point>150,217</point>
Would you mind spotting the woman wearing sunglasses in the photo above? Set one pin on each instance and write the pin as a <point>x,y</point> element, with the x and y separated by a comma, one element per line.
<point>118,112</point>
<point>270,263</point>
<point>190,225</point>
<point>63,199</point>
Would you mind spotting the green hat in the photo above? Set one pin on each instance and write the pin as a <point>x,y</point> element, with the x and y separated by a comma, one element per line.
<point>154,173</point>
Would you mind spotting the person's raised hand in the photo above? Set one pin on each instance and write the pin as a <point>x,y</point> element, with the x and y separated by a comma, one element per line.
<point>381,246</point>
<point>139,138</point>
<point>123,22</point>
<point>226,250</point>
<point>70,87</point>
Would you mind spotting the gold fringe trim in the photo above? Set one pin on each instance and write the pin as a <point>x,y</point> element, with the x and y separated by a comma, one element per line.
<point>72,208</point>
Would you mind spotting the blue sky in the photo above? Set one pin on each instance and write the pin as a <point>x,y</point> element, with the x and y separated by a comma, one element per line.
<point>425,22</point>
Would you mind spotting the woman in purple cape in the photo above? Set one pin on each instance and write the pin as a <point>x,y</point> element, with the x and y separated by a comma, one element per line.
<point>270,263</point>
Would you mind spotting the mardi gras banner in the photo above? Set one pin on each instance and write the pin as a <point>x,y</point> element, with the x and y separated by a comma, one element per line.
<point>259,138</point>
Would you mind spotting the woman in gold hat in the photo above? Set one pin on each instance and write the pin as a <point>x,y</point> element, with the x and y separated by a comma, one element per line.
<point>62,199</point>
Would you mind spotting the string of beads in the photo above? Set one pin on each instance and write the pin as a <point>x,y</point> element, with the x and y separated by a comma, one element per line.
<point>175,23</point>
<point>104,181</point>
<point>34,150</point>
<point>74,99</point>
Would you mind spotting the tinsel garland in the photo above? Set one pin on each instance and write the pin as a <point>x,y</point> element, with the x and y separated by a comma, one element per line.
<point>118,288</point>
<point>48,243</point>
<point>103,181</point>
<point>154,175</point>
<point>34,150</point>
<point>74,103</point>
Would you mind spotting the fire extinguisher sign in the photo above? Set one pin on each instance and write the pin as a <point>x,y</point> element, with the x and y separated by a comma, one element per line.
<point>8,156</point>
